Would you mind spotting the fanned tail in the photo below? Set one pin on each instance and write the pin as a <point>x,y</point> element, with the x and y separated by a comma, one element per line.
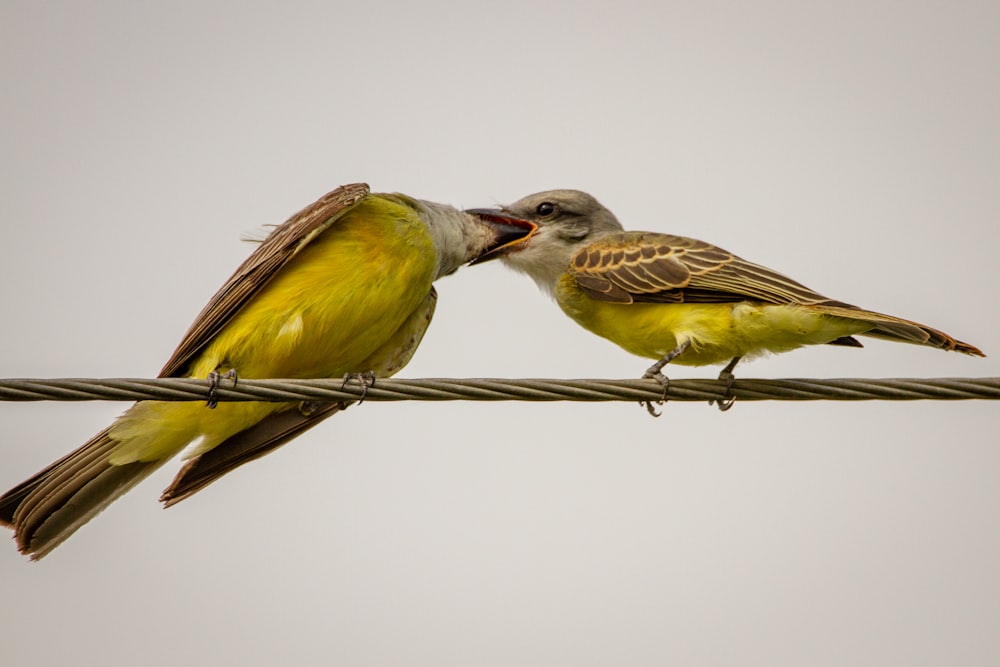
<point>49,507</point>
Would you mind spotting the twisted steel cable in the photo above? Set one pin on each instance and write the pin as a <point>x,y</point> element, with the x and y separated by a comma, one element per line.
<point>456,389</point>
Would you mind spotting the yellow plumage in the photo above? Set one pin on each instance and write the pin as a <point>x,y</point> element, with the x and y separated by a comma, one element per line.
<point>677,299</point>
<point>331,307</point>
<point>717,332</point>
<point>343,287</point>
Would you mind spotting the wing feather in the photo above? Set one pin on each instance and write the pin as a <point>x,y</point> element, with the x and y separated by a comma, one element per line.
<point>273,253</point>
<point>641,266</point>
<point>629,267</point>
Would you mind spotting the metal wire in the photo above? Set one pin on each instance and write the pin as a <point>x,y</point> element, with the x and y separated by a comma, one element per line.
<point>451,389</point>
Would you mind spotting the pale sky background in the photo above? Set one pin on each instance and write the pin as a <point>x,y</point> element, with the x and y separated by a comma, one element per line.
<point>854,146</point>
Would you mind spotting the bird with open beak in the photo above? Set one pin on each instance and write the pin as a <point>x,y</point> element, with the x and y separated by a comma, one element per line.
<point>677,299</point>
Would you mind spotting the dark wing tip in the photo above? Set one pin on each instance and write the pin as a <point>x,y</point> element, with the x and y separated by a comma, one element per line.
<point>846,341</point>
<point>965,348</point>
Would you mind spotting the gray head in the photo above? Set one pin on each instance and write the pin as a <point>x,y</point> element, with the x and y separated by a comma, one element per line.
<point>567,221</point>
<point>569,214</point>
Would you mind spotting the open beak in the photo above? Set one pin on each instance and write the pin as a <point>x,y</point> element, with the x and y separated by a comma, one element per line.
<point>510,232</point>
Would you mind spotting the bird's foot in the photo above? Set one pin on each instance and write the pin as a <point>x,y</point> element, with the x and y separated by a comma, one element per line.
<point>654,374</point>
<point>726,374</point>
<point>366,380</point>
<point>214,378</point>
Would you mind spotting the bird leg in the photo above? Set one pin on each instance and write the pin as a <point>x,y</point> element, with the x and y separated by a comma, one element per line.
<point>213,385</point>
<point>726,374</point>
<point>654,373</point>
<point>366,379</point>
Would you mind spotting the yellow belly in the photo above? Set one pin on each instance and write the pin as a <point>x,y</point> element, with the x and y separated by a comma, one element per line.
<point>717,332</point>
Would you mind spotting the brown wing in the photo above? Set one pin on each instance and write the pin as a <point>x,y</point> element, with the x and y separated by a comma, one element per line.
<point>274,252</point>
<point>632,267</point>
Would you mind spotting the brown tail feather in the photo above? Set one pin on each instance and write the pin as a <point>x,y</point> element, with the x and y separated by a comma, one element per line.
<point>262,438</point>
<point>49,507</point>
<point>897,329</point>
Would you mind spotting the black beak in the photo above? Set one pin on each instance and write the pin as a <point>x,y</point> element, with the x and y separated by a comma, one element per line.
<point>509,230</point>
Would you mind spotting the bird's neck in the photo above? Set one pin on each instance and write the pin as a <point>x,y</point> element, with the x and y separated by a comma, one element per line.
<point>458,236</point>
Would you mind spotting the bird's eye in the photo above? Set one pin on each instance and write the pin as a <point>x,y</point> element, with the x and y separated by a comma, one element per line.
<point>545,209</point>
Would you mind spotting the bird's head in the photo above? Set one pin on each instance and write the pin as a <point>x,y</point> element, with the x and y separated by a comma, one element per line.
<point>565,221</point>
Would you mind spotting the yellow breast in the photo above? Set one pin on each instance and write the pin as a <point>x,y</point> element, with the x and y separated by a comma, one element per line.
<point>336,302</point>
<point>335,308</point>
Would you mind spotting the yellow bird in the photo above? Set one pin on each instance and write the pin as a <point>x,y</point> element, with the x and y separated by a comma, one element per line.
<point>343,287</point>
<point>677,299</point>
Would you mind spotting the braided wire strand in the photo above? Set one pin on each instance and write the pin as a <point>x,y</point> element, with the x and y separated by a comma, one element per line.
<point>495,389</point>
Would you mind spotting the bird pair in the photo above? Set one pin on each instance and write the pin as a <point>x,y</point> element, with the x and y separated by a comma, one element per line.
<point>345,287</point>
